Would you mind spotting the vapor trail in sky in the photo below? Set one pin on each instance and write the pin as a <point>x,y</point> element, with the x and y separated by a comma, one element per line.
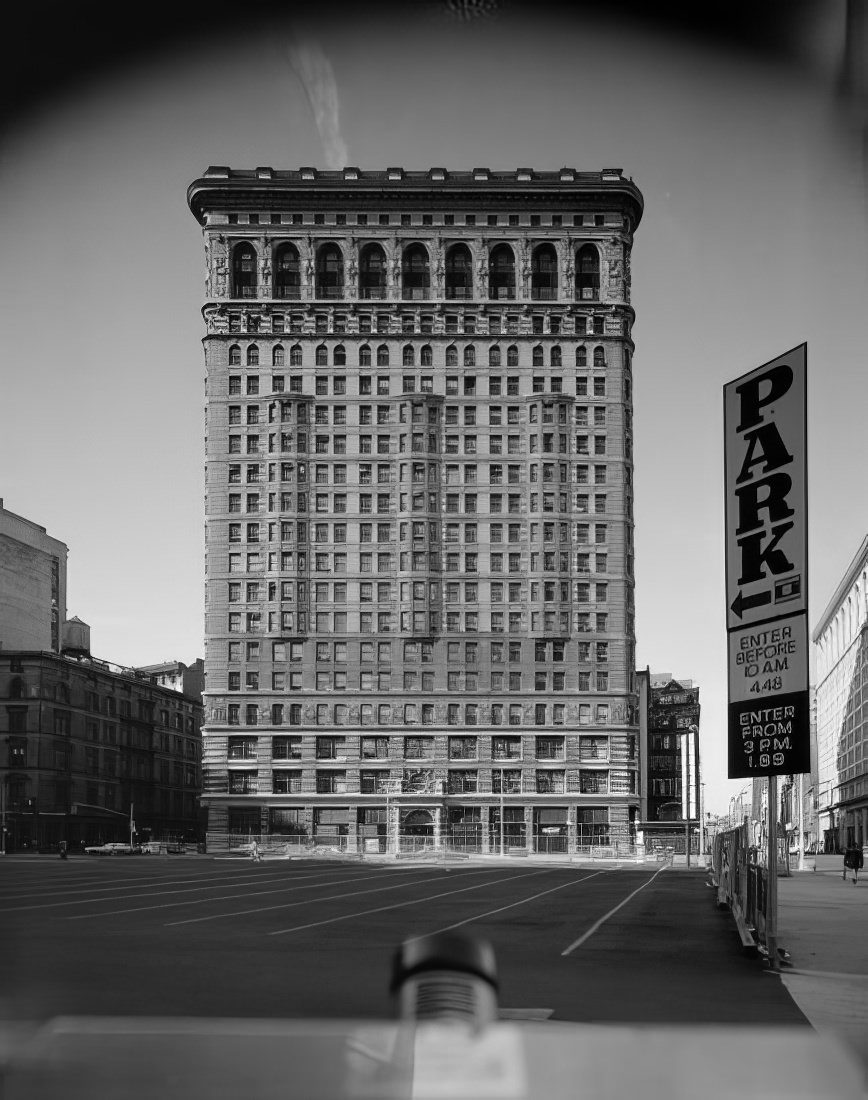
<point>310,64</point>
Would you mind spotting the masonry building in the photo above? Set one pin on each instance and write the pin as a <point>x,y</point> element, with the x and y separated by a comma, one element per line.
<point>86,746</point>
<point>32,584</point>
<point>419,511</point>
<point>841,637</point>
<point>670,753</point>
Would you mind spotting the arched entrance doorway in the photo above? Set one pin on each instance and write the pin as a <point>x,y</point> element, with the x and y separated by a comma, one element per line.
<point>417,831</point>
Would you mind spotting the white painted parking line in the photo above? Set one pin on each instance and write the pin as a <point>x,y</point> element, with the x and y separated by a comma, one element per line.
<point>217,880</point>
<point>513,904</point>
<point>307,901</point>
<point>397,905</point>
<point>599,924</point>
<point>258,881</point>
<point>208,901</point>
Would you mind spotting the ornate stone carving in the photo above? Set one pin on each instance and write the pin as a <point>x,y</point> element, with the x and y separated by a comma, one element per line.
<point>216,319</point>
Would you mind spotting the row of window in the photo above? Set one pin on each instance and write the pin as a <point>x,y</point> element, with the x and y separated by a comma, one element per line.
<point>288,591</point>
<point>108,704</point>
<point>430,530</point>
<point>411,652</point>
<point>379,781</point>
<point>454,503</point>
<point>466,653</point>
<point>545,443</point>
<point>367,680</point>
<point>497,386</point>
<point>465,473</point>
<point>590,748</point>
<point>132,737</point>
<point>451,357</point>
<point>94,761</point>
<point>546,412</point>
<point>555,220</point>
<point>386,714</point>
<point>291,561</point>
<point>466,323</point>
<point>494,277</point>
<point>383,591</point>
<point>417,622</point>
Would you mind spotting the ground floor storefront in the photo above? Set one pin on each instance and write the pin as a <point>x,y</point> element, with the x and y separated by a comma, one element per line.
<point>408,825</point>
<point>845,826</point>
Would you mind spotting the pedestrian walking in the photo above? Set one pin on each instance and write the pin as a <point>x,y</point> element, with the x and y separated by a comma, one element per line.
<point>853,861</point>
<point>255,852</point>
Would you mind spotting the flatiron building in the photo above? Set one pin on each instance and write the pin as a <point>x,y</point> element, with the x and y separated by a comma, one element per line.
<point>419,508</point>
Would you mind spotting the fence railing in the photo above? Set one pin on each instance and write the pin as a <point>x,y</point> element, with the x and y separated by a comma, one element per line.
<point>741,883</point>
<point>332,844</point>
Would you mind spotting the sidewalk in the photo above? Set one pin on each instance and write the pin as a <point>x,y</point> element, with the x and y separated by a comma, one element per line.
<point>823,924</point>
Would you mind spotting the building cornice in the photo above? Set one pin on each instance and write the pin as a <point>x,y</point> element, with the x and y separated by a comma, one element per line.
<point>257,188</point>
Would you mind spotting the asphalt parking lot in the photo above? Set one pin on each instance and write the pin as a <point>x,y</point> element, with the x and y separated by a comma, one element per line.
<point>195,936</point>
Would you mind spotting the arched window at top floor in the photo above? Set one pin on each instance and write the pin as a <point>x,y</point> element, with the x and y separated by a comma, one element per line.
<point>587,272</point>
<point>501,272</point>
<point>287,272</point>
<point>415,272</point>
<point>372,272</point>
<point>459,272</point>
<point>244,271</point>
<point>329,272</point>
<point>253,356</point>
<point>544,272</point>
<point>278,356</point>
<point>235,356</point>
<point>295,358</point>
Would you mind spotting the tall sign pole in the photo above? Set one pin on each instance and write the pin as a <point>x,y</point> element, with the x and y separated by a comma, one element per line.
<point>766,493</point>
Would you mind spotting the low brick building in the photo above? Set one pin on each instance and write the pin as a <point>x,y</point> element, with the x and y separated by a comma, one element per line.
<point>86,747</point>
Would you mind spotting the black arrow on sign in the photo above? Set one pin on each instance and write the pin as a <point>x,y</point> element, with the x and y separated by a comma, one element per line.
<point>742,603</point>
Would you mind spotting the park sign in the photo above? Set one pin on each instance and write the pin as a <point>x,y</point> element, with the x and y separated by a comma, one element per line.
<point>765,463</point>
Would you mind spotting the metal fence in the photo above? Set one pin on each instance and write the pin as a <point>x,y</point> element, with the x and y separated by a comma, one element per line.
<point>334,844</point>
<point>742,884</point>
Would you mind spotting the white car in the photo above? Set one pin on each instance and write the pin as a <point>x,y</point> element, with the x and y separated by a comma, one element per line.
<point>115,849</point>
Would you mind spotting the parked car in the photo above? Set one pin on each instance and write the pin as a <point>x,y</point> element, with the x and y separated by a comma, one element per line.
<point>113,849</point>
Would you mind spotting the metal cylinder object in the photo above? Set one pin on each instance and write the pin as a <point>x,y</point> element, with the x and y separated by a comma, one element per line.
<point>446,977</point>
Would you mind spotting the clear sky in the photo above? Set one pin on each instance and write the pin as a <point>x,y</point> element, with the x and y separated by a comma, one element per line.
<point>753,241</point>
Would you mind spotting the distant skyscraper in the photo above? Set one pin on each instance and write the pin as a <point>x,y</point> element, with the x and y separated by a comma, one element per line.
<point>419,507</point>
